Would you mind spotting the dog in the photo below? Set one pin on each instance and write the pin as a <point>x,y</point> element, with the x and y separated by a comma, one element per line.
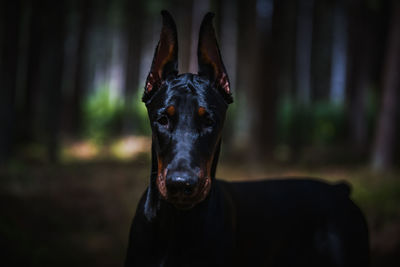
<point>186,217</point>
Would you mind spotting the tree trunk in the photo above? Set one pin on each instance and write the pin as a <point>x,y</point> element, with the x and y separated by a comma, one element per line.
<point>52,73</point>
<point>199,9</point>
<point>246,55</point>
<point>303,50</point>
<point>80,82</point>
<point>339,54</point>
<point>322,50</point>
<point>184,19</point>
<point>264,94</point>
<point>29,116</point>
<point>383,152</point>
<point>362,59</point>
<point>228,46</point>
<point>8,75</point>
<point>133,26</point>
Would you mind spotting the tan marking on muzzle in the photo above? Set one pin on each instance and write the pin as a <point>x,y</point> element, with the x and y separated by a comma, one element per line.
<point>160,181</point>
<point>205,180</point>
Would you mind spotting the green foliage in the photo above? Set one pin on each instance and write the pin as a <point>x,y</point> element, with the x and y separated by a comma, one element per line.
<point>102,115</point>
<point>329,123</point>
<point>105,117</point>
<point>320,123</point>
<point>138,114</point>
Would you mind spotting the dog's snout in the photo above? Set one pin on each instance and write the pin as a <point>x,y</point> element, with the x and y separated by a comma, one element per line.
<point>180,185</point>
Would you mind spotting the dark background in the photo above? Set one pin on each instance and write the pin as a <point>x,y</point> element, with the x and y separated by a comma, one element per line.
<point>316,86</point>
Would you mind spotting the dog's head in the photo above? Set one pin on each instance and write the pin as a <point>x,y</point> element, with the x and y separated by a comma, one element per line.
<point>187,113</point>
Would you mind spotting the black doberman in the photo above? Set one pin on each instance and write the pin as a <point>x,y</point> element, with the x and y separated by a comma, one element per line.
<point>188,218</point>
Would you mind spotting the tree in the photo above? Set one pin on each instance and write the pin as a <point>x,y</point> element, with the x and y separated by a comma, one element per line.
<point>264,94</point>
<point>53,26</point>
<point>8,71</point>
<point>339,54</point>
<point>363,56</point>
<point>385,136</point>
<point>303,50</point>
<point>133,27</point>
<point>75,102</point>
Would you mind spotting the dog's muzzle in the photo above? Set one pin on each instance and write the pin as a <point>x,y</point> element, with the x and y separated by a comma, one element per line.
<point>183,189</point>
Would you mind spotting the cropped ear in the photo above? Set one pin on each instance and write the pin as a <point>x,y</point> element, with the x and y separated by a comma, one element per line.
<point>209,58</point>
<point>165,60</point>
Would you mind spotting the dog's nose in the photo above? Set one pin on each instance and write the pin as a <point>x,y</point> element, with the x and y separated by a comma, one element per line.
<point>180,185</point>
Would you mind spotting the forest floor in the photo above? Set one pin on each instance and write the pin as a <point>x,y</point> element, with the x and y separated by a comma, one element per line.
<point>78,213</point>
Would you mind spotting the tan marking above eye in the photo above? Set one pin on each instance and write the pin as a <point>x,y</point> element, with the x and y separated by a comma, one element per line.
<point>201,111</point>
<point>171,111</point>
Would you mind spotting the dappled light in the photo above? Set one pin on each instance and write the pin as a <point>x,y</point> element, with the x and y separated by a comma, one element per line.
<point>81,151</point>
<point>124,148</point>
<point>130,147</point>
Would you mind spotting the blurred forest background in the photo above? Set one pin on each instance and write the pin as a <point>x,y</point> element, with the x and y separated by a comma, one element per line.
<point>317,93</point>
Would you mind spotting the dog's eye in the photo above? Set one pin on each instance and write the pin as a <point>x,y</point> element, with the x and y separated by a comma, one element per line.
<point>163,120</point>
<point>205,117</point>
<point>207,120</point>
